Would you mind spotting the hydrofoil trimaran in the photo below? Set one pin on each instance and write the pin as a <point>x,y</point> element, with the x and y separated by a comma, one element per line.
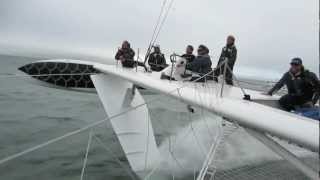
<point>118,92</point>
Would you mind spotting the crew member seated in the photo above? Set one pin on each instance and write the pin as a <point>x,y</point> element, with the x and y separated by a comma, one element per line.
<point>303,87</point>
<point>189,54</point>
<point>156,60</point>
<point>201,64</point>
<point>125,54</point>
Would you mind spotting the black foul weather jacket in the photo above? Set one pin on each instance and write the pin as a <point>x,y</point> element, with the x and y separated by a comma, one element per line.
<point>157,61</point>
<point>229,52</point>
<point>189,57</point>
<point>304,85</point>
<point>127,54</point>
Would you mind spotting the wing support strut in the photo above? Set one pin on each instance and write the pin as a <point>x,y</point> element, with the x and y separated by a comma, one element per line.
<point>284,153</point>
<point>134,129</point>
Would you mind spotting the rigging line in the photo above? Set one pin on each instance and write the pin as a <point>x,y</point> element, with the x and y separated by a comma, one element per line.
<point>203,117</point>
<point>147,177</point>
<point>171,145</point>
<point>86,156</point>
<point>176,160</point>
<point>158,22</point>
<point>152,171</point>
<point>210,155</point>
<point>202,110</point>
<point>132,176</point>
<point>247,82</point>
<point>163,20</point>
<point>54,140</point>
<point>147,142</point>
<point>155,29</point>
<point>236,79</point>
<point>171,151</point>
<point>200,146</point>
<point>192,129</point>
<point>42,75</point>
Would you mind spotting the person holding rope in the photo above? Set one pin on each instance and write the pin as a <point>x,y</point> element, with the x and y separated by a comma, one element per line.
<point>125,54</point>
<point>228,56</point>
<point>157,60</point>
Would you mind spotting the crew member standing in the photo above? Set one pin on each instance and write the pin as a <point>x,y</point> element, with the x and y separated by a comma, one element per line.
<point>125,54</point>
<point>229,55</point>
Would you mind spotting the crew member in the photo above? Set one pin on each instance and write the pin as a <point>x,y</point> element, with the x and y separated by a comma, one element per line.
<point>302,86</point>
<point>229,55</point>
<point>189,54</point>
<point>156,60</point>
<point>202,63</point>
<point>125,54</point>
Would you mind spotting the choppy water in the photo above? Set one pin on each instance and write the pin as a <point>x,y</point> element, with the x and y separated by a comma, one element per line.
<point>31,114</point>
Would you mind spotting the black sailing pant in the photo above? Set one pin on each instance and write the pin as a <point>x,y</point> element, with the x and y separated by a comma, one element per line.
<point>288,102</point>
<point>220,70</point>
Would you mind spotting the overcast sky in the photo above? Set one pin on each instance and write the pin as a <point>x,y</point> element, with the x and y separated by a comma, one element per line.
<point>269,32</point>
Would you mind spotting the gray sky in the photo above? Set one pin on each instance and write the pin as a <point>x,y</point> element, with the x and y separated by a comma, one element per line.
<point>269,32</point>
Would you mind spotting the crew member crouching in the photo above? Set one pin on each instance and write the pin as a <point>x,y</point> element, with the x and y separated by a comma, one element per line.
<point>303,87</point>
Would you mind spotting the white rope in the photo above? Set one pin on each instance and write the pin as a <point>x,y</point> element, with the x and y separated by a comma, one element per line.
<point>191,126</point>
<point>210,155</point>
<point>171,151</point>
<point>152,171</point>
<point>202,116</point>
<point>132,176</point>
<point>42,145</point>
<point>200,145</point>
<point>147,177</point>
<point>86,156</point>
